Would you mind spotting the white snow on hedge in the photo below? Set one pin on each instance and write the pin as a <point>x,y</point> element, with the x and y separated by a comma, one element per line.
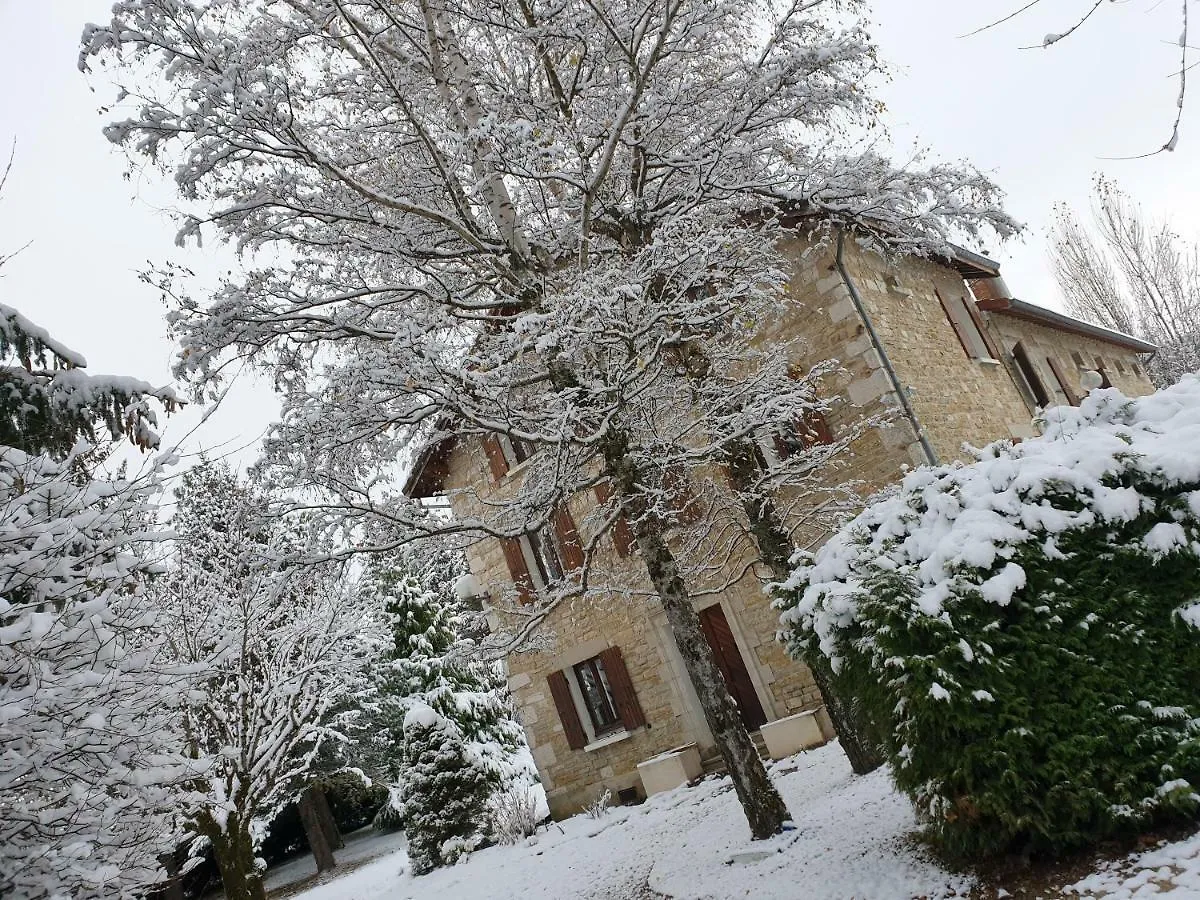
<point>953,528</point>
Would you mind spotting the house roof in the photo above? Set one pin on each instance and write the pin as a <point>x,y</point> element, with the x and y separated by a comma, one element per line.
<point>969,264</point>
<point>428,474</point>
<point>1031,312</point>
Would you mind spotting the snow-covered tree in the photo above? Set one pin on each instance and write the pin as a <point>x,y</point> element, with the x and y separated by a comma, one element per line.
<point>282,647</point>
<point>427,662</point>
<point>1134,275</point>
<point>86,780</point>
<point>555,222</point>
<point>446,788</point>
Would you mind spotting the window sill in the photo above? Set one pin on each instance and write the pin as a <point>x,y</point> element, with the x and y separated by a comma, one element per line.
<point>614,738</point>
<point>517,469</point>
<point>987,361</point>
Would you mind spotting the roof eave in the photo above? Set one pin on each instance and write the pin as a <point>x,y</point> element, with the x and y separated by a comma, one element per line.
<point>1031,312</point>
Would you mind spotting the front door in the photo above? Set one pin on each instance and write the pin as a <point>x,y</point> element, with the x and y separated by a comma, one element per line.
<point>729,660</point>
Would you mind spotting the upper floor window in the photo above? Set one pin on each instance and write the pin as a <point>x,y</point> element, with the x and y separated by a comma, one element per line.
<point>543,560</point>
<point>1034,387</point>
<point>516,451</point>
<point>964,318</point>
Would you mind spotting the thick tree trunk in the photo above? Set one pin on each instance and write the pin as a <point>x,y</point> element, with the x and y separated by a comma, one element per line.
<point>764,808</point>
<point>775,549</point>
<point>328,822</point>
<point>234,850</point>
<point>318,840</point>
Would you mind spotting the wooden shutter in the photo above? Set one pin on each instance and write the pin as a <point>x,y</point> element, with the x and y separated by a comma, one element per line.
<point>624,696</point>
<point>622,535</point>
<point>517,567</point>
<point>959,332</point>
<point>495,456</point>
<point>1072,397</point>
<point>681,497</point>
<point>973,312</point>
<point>565,704</point>
<point>569,548</point>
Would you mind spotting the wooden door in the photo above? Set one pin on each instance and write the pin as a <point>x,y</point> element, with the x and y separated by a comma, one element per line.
<point>737,678</point>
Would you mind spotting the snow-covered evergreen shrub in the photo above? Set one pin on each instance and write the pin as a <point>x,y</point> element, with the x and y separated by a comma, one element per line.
<point>446,790</point>
<point>428,662</point>
<point>1026,628</point>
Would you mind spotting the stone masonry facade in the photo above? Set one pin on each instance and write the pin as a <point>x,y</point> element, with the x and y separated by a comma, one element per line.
<point>961,387</point>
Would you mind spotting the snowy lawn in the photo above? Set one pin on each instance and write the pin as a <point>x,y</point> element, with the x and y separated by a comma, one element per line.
<point>853,840</point>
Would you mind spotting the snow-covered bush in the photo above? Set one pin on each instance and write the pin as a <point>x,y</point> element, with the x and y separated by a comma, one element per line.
<point>599,807</point>
<point>515,814</point>
<point>446,790</point>
<point>1026,628</point>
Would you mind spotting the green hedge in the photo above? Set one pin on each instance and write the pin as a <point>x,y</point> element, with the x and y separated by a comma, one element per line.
<point>1047,717</point>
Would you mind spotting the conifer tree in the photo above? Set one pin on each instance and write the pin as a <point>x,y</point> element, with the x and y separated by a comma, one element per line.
<point>86,782</point>
<point>445,790</point>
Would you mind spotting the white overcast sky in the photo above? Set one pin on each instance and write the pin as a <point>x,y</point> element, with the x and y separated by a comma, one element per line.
<point>1040,122</point>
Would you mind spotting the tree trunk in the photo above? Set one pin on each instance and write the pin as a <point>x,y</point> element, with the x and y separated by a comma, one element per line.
<point>318,840</point>
<point>775,548</point>
<point>764,808</point>
<point>328,822</point>
<point>234,850</point>
<point>172,887</point>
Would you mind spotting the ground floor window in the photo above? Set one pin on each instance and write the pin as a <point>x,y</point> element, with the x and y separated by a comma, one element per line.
<point>592,679</point>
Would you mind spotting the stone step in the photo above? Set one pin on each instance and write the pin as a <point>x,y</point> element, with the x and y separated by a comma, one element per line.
<point>713,763</point>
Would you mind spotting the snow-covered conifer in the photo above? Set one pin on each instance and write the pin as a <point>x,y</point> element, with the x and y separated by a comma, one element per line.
<point>86,782</point>
<point>445,790</point>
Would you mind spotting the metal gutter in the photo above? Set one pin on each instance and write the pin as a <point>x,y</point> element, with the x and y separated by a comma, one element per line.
<point>898,388</point>
<point>1048,317</point>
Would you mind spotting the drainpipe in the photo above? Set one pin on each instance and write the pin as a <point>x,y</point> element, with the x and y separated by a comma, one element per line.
<point>900,391</point>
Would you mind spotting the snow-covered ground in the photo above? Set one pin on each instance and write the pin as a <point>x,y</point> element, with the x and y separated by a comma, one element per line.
<point>854,840</point>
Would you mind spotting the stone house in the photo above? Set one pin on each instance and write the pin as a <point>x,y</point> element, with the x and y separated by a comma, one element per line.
<point>938,341</point>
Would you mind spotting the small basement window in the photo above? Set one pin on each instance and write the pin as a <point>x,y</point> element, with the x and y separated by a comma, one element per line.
<point>1077,358</point>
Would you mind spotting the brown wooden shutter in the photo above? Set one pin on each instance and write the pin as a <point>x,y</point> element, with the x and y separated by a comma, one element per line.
<point>962,336</point>
<point>569,548</point>
<point>495,456</point>
<point>973,311</point>
<point>517,568</point>
<point>565,703</point>
<point>622,689</point>
<point>1072,397</point>
<point>681,497</point>
<point>622,535</point>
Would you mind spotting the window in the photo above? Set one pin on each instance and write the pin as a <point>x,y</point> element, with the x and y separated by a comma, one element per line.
<point>1063,384</point>
<point>1033,384</point>
<point>595,699</point>
<point>516,451</point>
<point>1077,358</point>
<point>592,679</point>
<point>1100,367</point>
<point>1117,363</point>
<point>968,326</point>
<point>1137,370</point>
<point>542,558</point>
